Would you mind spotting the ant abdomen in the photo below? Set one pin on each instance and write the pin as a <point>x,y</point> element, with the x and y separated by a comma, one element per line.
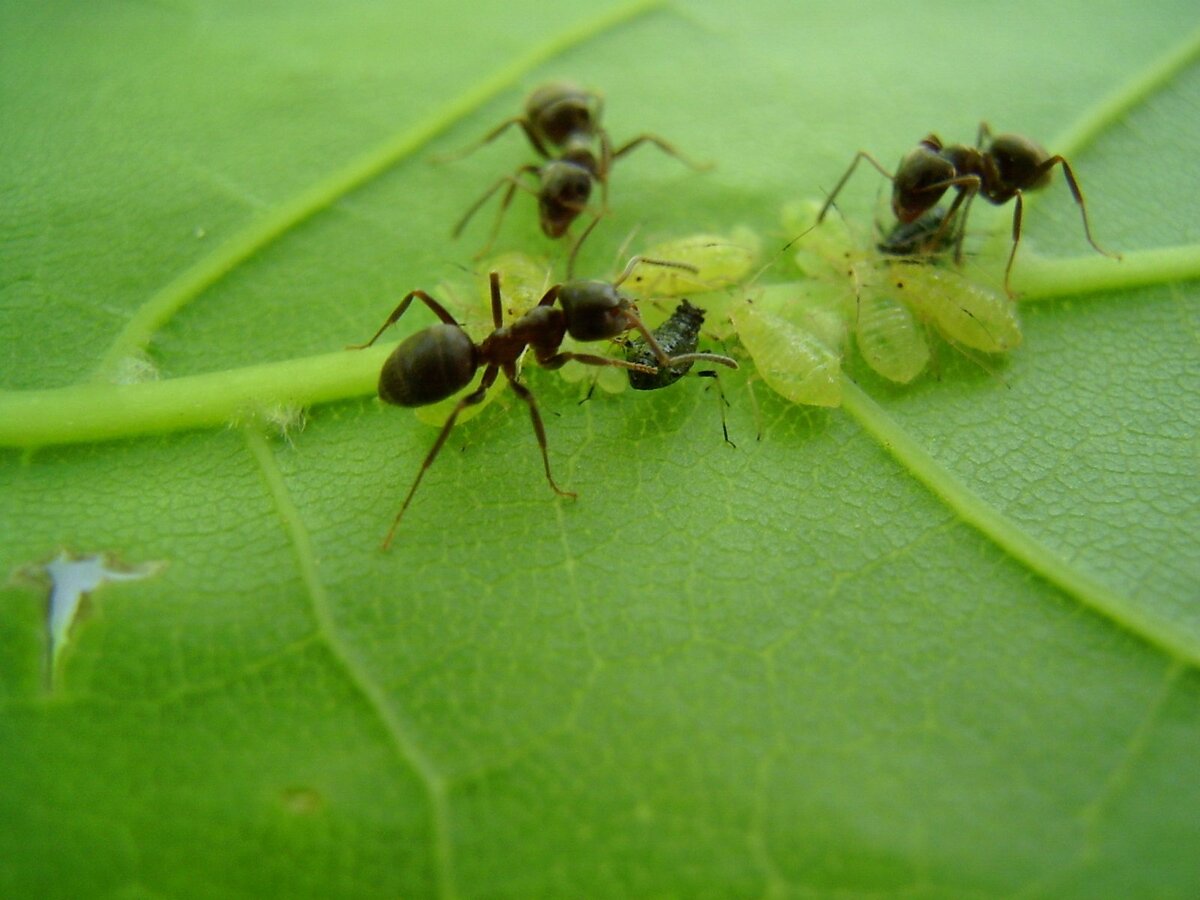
<point>561,109</point>
<point>428,366</point>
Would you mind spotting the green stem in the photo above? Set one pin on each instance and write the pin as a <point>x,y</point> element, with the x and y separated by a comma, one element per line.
<point>1009,536</point>
<point>1038,278</point>
<point>1112,108</point>
<point>100,412</point>
<point>1124,98</point>
<point>165,303</point>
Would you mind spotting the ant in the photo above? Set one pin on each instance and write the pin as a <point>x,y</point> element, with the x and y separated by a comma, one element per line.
<point>1000,168</point>
<point>562,123</point>
<point>440,360</point>
<point>679,334</point>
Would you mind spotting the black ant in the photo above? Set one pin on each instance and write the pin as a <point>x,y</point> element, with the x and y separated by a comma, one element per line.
<point>678,334</point>
<point>440,360</point>
<point>1007,166</point>
<point>562,123</point>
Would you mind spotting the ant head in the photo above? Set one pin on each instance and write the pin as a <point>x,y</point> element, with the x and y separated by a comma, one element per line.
<point>561,109</point>
<point>919,182</point>
<point>595,310</point>
<point>564,195</point>
<point>1017,159</point>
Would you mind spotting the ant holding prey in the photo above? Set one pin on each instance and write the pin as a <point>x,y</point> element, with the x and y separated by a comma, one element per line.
<point>562,123</point>
<point>999,168</point>
<point>440,360</point>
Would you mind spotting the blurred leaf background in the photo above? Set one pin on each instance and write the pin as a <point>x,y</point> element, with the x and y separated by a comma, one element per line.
<point>786,670</point>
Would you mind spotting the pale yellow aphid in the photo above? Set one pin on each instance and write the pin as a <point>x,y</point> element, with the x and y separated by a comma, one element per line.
<point>964,311</point>
<point>720,261</point>
<point>795,337</point>
<point>889,337</point>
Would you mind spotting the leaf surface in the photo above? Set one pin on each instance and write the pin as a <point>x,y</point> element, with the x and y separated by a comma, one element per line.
<point>940,642</point>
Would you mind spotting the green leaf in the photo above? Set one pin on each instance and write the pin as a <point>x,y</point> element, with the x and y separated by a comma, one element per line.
<point>940,642</point>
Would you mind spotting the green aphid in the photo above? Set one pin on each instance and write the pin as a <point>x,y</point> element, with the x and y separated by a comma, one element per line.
<point>795,337</point>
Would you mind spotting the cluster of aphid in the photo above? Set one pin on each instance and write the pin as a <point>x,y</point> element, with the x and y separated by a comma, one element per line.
<point>886,292</point>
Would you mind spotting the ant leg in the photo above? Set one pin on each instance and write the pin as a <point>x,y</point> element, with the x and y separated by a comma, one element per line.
<point>1018,213</point>
<point>579,243</point>
<point>513,182</point>
<point>476,396</point>
<point>525,394</point>
<point>664,146</point>
<point>491,136</point>
<point>603,167</point>
<point>550,296</point>
<point>861,154</point>
<point>497,306</point>
<point>1078,195</point>
<point>967,187</point>
<point>667,362</point>
<point>722,403</point>
<point>437,308</point>
<point>558,360</point>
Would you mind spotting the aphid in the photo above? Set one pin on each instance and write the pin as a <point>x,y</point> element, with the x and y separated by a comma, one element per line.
<point>678,335</point>
<point>999,168</point>
<point>441,360</point>
<point>795,335</point>
<point>562,122</point>
<point>892,299</point>
<point>923,237</point>
<point>715,261</point>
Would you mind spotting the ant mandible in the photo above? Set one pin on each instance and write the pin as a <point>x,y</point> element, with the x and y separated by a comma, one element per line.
<point>1000,168</point>
<point>562,123</point>
<point>440,360</point>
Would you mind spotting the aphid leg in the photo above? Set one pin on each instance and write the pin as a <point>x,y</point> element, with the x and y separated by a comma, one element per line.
<point>1078,195</point>
<point>513,181</point>
<point>591,388</point>
<point>525,394</point>
<point>861,154</point>
<point>662,145</point>
<point>758,425</point>
<point>476,396</point>
<point>491,136</point>
<point>437,308</point>
<point>984,134</point>
<point>721,403</point>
